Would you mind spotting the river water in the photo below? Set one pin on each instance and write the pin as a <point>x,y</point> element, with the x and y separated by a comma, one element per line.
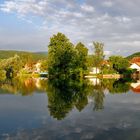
<point>39,109</point>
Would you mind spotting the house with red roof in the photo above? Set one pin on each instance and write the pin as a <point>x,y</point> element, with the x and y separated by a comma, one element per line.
<point>135,63</point>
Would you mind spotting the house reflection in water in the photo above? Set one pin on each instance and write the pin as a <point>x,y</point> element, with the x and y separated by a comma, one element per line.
<point>94,81</point>
<point>136,87</point>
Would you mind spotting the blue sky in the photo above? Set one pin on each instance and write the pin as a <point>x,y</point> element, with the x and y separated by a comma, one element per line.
<point>28,24</point>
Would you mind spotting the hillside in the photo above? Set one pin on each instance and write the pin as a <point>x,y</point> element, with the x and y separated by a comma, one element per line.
<point>4,54</point>
<point>133,55</point>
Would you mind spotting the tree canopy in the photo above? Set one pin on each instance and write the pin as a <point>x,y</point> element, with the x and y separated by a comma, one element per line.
<point>119,63</point>
<point>82,53</point>
<point>64,58</point>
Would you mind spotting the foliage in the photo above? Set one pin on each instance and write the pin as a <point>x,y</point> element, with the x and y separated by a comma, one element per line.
<point>108,70</point>
<point>128,72</point>
<point>116,86</point>
<point>98,56</point>
<point>44,65</point>
<point>11,66</point>
<point>119,63</point>
<point>90,60</point>
<point>61,56</point>
<point>120,86</point>
<point>82,53</point>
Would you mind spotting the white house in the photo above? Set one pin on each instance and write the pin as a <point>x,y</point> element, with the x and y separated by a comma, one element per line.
<point>135,66</point>
<point>38,67</point>
<point>94,70</point>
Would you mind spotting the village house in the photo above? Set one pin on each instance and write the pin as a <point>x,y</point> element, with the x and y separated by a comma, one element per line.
<point>135,63</point>
<point>95,70</point>
<point>135,66</point>
<point>38,67</point>
<point>33,67</point>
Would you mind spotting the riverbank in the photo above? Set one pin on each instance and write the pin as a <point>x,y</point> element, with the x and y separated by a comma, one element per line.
<point>105,76</point>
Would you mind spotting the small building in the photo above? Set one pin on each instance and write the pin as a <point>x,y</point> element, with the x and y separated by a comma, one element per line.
<point>135,65</point>
<point>94,70</point>
<point>38,67</point>
<point>29,67</point>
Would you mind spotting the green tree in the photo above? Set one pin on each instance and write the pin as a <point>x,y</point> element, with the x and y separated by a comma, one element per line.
<point>119,63</point>
<point>11,65</point>
<point>61,55</point>
<point>98,56</point>
<point>44,65</point>
<point>82,53</point>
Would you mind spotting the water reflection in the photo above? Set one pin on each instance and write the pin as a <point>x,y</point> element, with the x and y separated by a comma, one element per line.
<point>86,109</point>
<point>23,86</point>
<point>67,94</point>
<point>136,86</point>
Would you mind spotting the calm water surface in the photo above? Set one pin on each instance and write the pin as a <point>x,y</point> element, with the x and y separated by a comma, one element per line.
<point>38,109</point>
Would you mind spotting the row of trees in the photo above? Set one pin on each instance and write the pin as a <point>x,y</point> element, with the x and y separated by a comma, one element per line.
<point>66,59</point>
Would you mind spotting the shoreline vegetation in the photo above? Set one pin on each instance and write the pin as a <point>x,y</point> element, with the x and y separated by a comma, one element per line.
<point>66,60</point>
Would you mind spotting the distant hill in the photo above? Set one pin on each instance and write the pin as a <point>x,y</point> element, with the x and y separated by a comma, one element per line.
<point>133,55</point>
<point>4,54</point>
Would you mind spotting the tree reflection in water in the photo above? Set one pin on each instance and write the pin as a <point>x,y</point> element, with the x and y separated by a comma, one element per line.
<point>25,86</point>
<point>66,94</point>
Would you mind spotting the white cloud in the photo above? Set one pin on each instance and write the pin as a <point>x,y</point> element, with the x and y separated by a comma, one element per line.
<point>87,8</point>
<point>116,26</point>
<point>25,6</point>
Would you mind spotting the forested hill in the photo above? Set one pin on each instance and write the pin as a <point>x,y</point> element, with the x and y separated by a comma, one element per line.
<point>4,54</point>
<point>133,55</point>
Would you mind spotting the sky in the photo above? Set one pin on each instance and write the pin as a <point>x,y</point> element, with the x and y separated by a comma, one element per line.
<point>28,24</point>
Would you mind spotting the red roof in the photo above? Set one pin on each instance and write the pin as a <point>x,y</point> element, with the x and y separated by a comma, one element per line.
<point>137,89</point>
<point>138,63</point>
<point>135,60</point>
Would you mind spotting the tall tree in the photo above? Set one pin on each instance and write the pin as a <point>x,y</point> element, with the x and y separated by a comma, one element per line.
<point>98,56</point>
<point>61,55</point>
<point>82,53</point>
